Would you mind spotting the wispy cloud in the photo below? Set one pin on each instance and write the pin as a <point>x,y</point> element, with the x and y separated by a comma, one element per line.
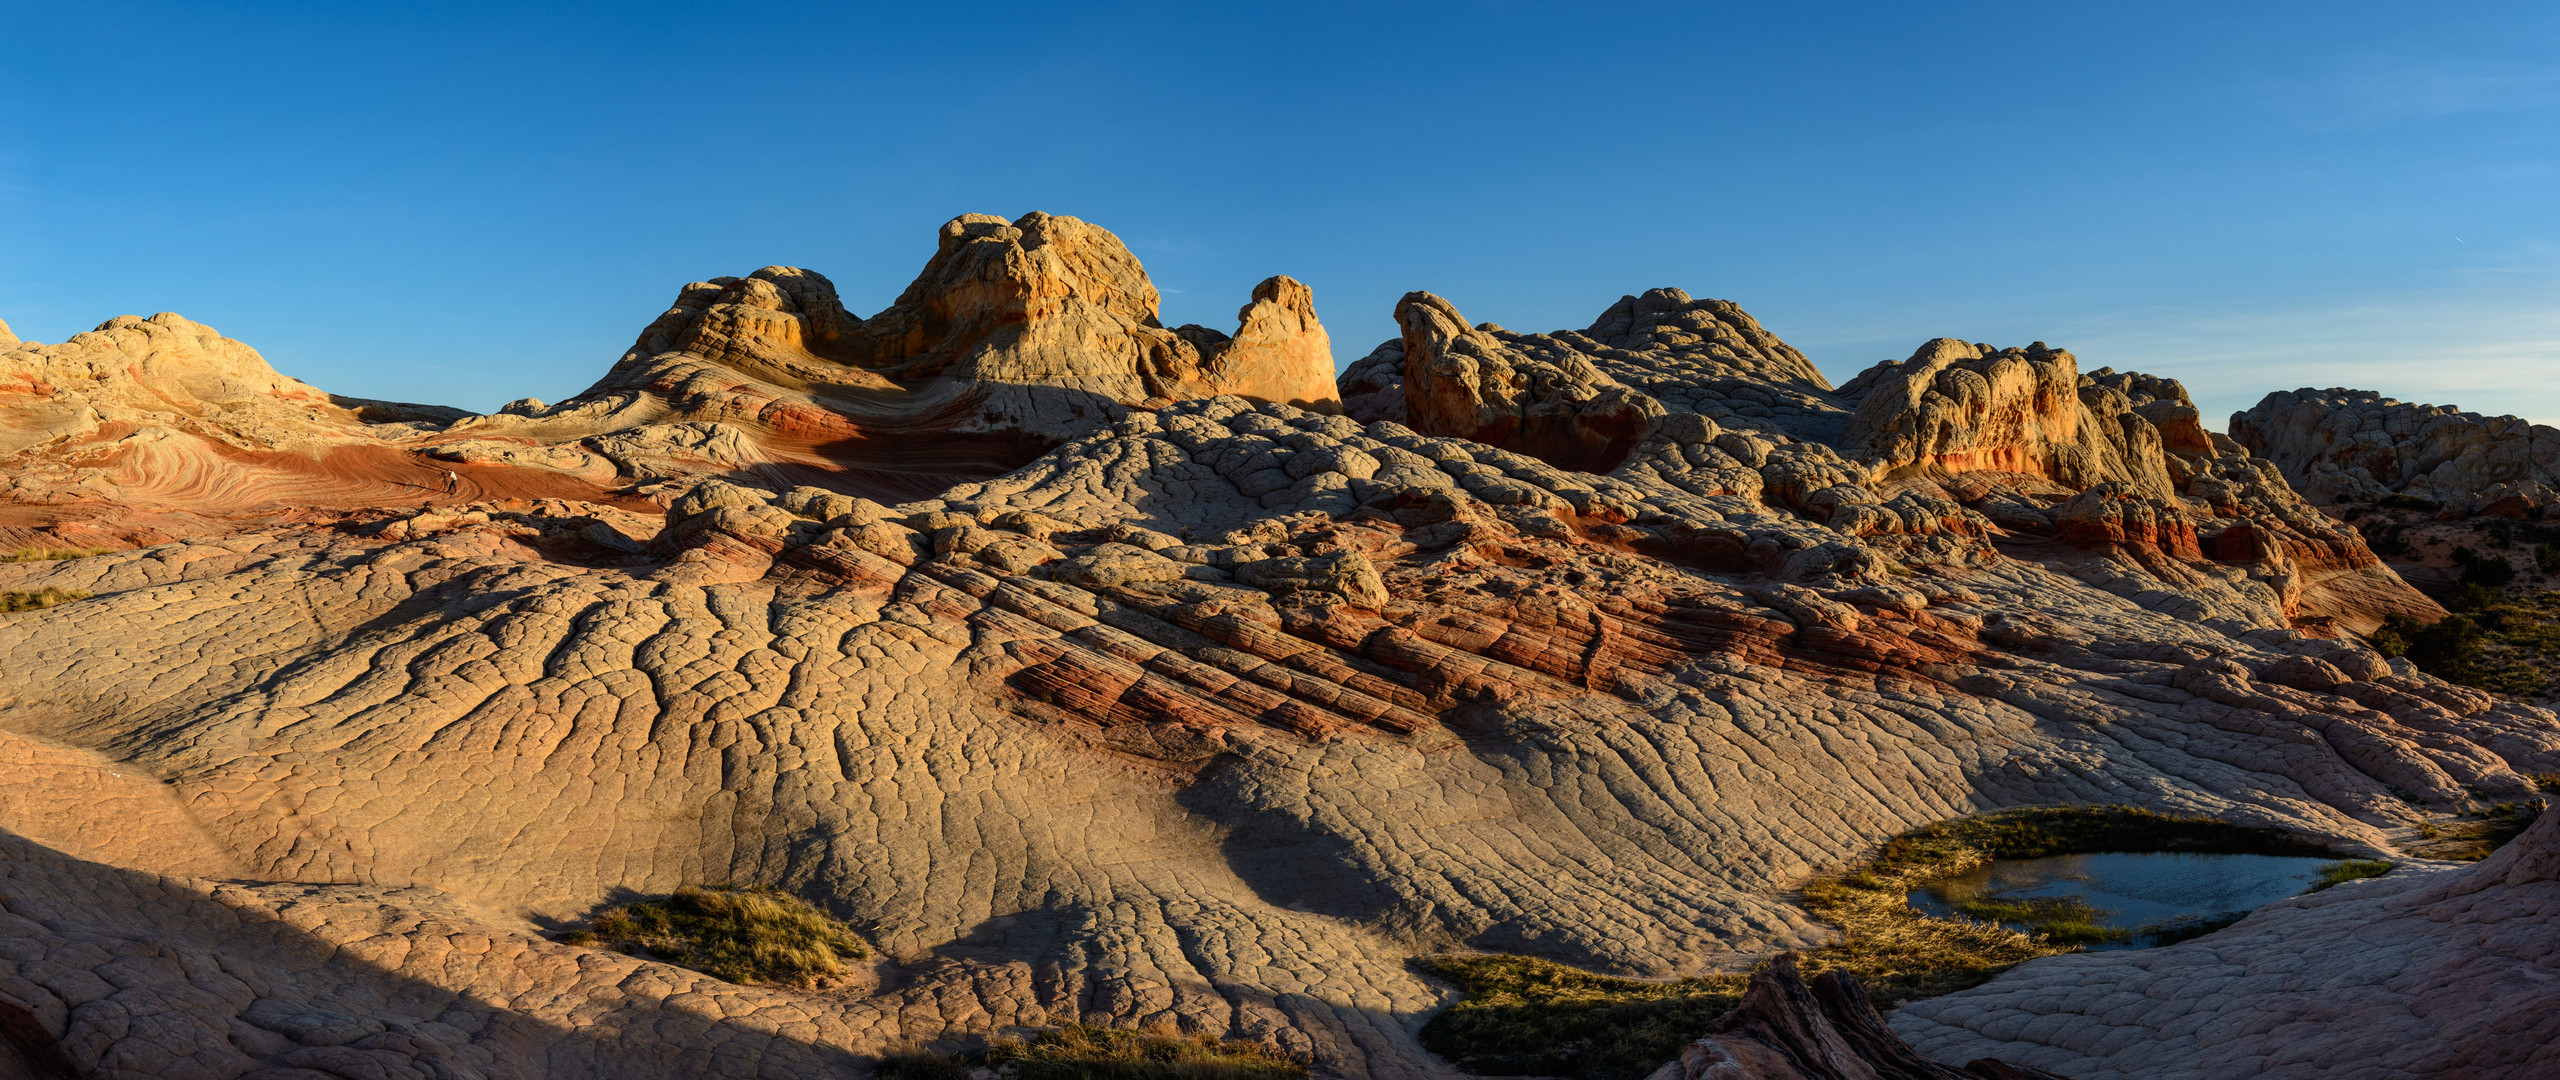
<point>2370,93</point>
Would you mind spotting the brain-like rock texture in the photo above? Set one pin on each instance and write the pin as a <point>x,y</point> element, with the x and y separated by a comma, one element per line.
<point>2359,446</point>
<point>1203,709</point>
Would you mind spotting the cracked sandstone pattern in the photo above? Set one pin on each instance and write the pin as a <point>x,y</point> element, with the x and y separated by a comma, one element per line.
<point>1618,762</point>
<point>1212,715</point>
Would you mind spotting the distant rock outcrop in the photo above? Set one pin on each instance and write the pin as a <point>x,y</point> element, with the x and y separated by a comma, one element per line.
<point>133,432</point>
<point>2339,446</point>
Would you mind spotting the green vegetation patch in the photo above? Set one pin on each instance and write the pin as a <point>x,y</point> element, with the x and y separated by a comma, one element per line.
<point>51,554</point>
<point>1078,1052</point>
<point>2506,644</point>
<point>2340,873</point>
<point>750,935</point>
<point>38,600</point>
<point>2472,837</point>
<point>2064,920</point>
<point>1525,1016</point>
<point>1529,1017</point>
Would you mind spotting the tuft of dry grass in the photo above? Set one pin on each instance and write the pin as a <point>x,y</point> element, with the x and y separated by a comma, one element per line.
<point>38,600</point>
<point>915,1061</point>
<point>51,554</point>
<point>743,935</point>
<point>2342,872</point>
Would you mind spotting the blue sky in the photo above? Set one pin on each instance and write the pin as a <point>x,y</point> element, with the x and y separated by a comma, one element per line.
<point>472,203</point>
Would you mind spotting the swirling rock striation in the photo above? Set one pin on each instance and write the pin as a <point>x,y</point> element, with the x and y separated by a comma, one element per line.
<point>1211,713</point>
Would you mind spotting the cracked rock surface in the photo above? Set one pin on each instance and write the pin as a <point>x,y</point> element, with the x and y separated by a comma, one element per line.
<point>1204,709</point>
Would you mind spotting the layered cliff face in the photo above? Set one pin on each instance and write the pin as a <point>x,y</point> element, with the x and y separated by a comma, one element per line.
<point>1212,714</point>
<point>2339,446</point>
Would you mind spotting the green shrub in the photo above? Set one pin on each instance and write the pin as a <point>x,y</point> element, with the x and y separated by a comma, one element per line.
<point>753,935</point>
<point>2340,873</point>
<point>42,598</point>
<point>2547,556</point>
<point>2510,645</point>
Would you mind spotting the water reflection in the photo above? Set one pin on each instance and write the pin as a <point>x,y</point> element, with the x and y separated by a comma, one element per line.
<point>2120,900</point>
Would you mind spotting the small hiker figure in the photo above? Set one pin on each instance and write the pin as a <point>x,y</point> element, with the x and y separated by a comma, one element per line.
<point>452,482</point>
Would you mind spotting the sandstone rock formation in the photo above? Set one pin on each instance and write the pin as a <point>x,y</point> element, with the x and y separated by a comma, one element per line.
<point>145,430</point>
<point>2358,446</point>
<point>1469,384</point>
<point>2442,972</point>
<point>1014,337</point>
<point>1959,439</point>
<point>1211,714</point>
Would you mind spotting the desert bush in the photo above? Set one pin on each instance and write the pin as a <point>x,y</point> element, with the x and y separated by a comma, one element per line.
<point>2486,571</point>
<point>2495,642</point>
<point>751,935</point>
<point>915,1062</point>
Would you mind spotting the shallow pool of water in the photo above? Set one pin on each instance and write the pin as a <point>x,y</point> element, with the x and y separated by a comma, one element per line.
<point>2149,898</point>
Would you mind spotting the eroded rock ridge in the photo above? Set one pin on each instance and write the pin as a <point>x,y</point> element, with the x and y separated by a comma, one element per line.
<point>1097,671</point>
